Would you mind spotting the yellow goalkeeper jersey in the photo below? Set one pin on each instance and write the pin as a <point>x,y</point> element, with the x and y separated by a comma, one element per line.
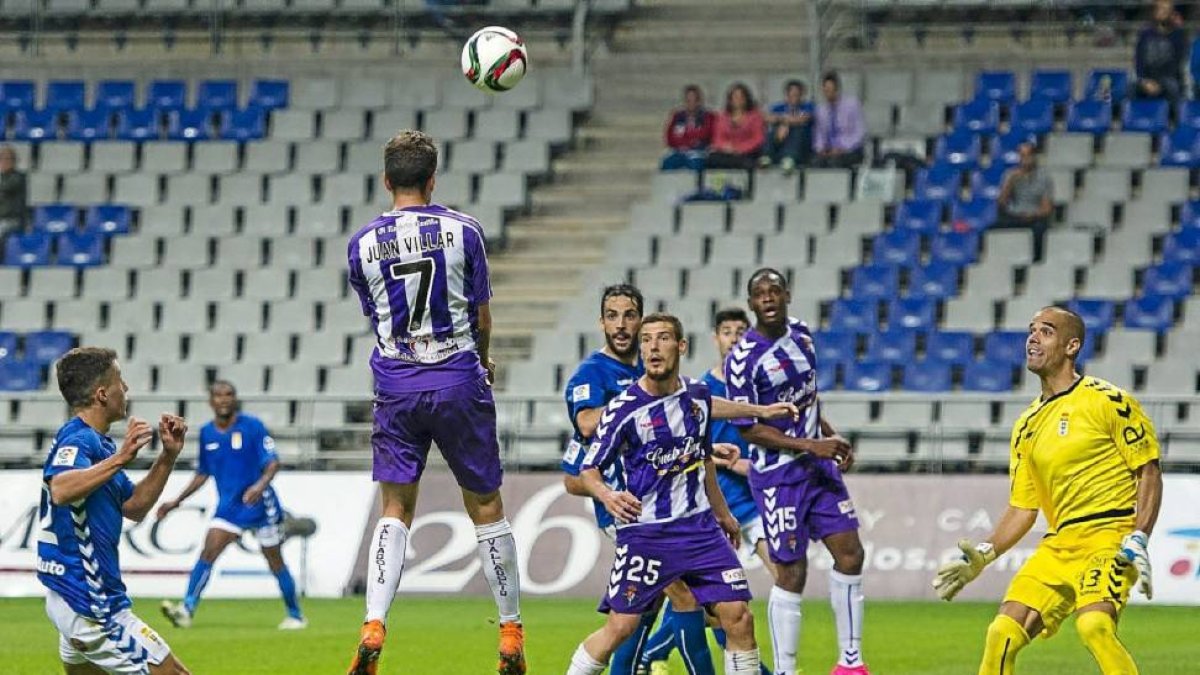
<point>1074,454</point>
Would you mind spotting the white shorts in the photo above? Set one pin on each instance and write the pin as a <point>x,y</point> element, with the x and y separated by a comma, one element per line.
<point>752,532</point>
<point>267,535</point>
<point>127,645</point>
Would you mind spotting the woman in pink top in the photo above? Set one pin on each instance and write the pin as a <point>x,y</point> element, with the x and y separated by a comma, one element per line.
<point>739,133</point>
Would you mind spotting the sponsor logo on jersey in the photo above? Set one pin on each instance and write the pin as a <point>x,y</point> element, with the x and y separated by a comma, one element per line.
<point>212,446</point>
<point>51,567</point>
<point>65,456</point>
<point>581,393</point>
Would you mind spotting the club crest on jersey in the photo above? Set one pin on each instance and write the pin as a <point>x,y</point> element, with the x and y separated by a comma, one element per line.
<point>235,441</point>
<point>1062,425</point>
<point>697,412</point>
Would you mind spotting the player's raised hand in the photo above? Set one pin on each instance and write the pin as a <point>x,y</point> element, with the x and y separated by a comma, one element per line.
<point>731,528</point>
<point>137,435</point>
<point>725,454</point>
<point>490,366</point>
<point>834,447</point>
<point>1133,550</point>
<point>781,410</point>
<point>622,505</point>
<point>165,508</point>
<point>954,575</point>
<point>845,457</point>
<point>172,429</point>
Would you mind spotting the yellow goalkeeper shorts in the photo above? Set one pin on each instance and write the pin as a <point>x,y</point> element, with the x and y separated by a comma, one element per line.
<point>1074,569</point>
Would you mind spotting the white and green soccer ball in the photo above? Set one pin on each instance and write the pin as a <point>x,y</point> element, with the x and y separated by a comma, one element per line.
<point>494,59</point>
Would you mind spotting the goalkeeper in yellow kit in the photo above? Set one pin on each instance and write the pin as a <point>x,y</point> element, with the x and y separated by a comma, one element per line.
<point>1086,455</point>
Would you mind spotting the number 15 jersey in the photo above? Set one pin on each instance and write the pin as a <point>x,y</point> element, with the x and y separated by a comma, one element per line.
<point>421,274</point>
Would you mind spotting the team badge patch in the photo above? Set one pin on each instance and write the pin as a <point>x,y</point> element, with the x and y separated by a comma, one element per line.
<point>1062,425</point>
<point>581,393</point>
<point>65,456</point>
<point>235,441</point>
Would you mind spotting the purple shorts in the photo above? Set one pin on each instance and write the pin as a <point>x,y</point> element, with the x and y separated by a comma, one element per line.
<point>795,513</point>
<point>645,565</point>
<point>462,421</point>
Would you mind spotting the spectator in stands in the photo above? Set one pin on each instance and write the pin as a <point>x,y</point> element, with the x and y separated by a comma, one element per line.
<point>840,128</point>
<point>689,131</point>
<point>789,129</point>
<point>13,193</point>
<point>1026,198</point>
<point>1158,58</point>
<point>739,132</point>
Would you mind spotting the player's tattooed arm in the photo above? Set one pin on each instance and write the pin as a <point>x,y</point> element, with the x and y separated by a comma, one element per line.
<point>725,409</point>
<point>621,504</point>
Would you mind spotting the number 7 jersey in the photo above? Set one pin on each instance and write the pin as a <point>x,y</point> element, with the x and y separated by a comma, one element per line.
<point>421,274</point>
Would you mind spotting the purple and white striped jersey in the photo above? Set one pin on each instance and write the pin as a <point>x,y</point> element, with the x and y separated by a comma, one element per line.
<point>421,274</point>
<point>662,442</point>
<point>764,371</point>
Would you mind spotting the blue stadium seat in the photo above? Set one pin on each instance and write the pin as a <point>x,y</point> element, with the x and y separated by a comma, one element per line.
<point>137,124</point>
<point>55,217</point>
<point>1089,346</point>
<point>835,346</point>
<point>1182,246</point>
<point>987,376</point>
<point>108,219</point>
<point>987,182</point>
<point>189,125</point>
<point>919,215</point>
<point>893,346</point>
<point>88,125</point>
<point>910,313</point>
<point>960,149</point>
<point>996,85</point>
<point>17,94</point>
<point>1145,115</point>
<point>1090,117</point>
<point>80,249</point>
<point>1051,85</point>
<point>115,95</point>
<point>875,281</point>
<point>956,347</point>
<point>897,247</point>
<point>1168,279</point>
<point>1035,116</point>
<point>867,376</point>
<point>8,345</point>
<point>827,377</point>
<point>1115,81</point>
<point>217,94</point>
<point>955,248</point>
<point>935,280</point>
<point>977,117</point>
<point>35,125</point>
<point>1150,312</point>
<point>20,375</point>
<point>1098,315</point>
<point>854,315</point>
<point>927,375</point>
<point>938,182</point>
<point>166,95</point>
<point>1005,346</point>
<point>1189,215</point>
<point>65,95</point>
<point>248,124</point>
<point>28,249</point>
<point>1006,147</point>
<point>1181,147</point>
<point>975,214</point>
<point>269,94</point>
<point>46,346</point>
<point>1189,114</point>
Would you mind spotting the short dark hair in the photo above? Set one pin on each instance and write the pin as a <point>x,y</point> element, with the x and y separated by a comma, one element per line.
<point>663,317</point>
<point>832,76</point>
<point>622,291</point>
<point>221,383</point>
<point>410,159</point>
<point>750,103</point>
<point>730,314</point>
<point>794,83</point>
<point>1075,326</point>
<point>693,88</point>
<point>80,371</point>
<point>765,272</point>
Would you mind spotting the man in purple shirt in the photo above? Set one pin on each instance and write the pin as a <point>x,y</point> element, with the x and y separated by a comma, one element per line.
<point>421,273</point>
<point>840,129</point>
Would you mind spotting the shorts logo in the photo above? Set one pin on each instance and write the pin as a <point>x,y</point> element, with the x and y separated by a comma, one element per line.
<point>581,393</point>
<point>65,456</point>
<point>733,576</point>
<point>1062,425</point>
<point>630,593</point>
<point>235,441</point>
<point>846,507</point>
<point>150,635</point>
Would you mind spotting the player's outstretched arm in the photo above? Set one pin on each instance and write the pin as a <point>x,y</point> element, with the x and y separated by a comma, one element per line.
<point>71,486</point>
<point>172,430</point>
<point>725,409</point>
<point>198,481</point>
<point>836,448</point>
<point>1134,546</point>
<point>954,575</point>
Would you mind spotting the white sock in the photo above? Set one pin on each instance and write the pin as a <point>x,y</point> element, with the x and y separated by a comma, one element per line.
<point>741,663</point>
<point>783,616</point>
<point>845,594</point>
<point>385,562</point>
<point>582,663</point>
<point>498,553</point>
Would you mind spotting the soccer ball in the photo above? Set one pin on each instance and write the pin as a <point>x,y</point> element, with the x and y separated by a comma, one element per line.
<point>494,59</point>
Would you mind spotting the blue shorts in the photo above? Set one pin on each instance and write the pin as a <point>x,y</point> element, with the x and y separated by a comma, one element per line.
<point>268,511</point>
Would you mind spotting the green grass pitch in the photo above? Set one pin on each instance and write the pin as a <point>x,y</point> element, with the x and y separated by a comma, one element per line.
<point>454,636</point>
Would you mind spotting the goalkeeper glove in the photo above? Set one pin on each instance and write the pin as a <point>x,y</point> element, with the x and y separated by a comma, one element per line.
<point>952,576</point>
<point>1133,550</point>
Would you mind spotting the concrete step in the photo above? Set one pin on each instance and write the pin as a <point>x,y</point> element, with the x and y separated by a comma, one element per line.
<point>564,243</point>
<point>604,222</point>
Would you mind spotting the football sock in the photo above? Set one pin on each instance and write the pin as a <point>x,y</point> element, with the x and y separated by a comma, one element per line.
<point>625,659</point>
<point>783,616</point>
<point>692,639</point>
<point>1005,637</point>
<point>384,565</point>
<point>287,588</point>
<point>582,663</point>
<point>1099,634</point>
<point>196,583</point>
<point>719,636</point>
<point>498,553</point>
<point>845,594</point>
<point>742,663</point>
<point>660,644</point>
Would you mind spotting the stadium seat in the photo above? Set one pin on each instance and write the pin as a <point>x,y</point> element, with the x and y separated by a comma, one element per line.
<point>115,95</point>
<point>927,375</point>
<point>955,347</point>
<point>934,280</point>
<point>1182,246</point>
<point>955,248</point>
<point>854,315</point>
<point>895,346</point>
<point>878,281</point>
<point>88,125</point>
<point>911,313</point>
<point>1007,346</point>
<point>1180,147</point>
<point>977,117</point>
<point>939,183</point>
<point>20,375</point>
<point>986,183</point>
<point>834,346</point>
<point>136,124</point>
<point>268,94</point>
<point>45,347</point>
<point>897,247</point>
<point>959,149</point>
<point>35,125</point>
<point>987,376</point>
<point>1150,312</point>
<point>189,124</point>
<point>65,95</point>
<point>30,249</point>
<point>869,376</point>
<point>1107,85</point>
<point>1168,279</point>
<point>919,215</point>
<point>17,94</point>
<point>247,124</point>
<point>1035,116</point>
<point>219,95</point>
<point>1052,85</point>
<point>975,214</point>
<point>1097,314</point>
<point>80,249</point>
<point>1005,148</point>
<point>55,217</point>
<point>108,219</point>
<point>996,85</point>
<point>1145,115</point>
<point>166,95</point>
<point>8,345</point>
<point>1089,117</point>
